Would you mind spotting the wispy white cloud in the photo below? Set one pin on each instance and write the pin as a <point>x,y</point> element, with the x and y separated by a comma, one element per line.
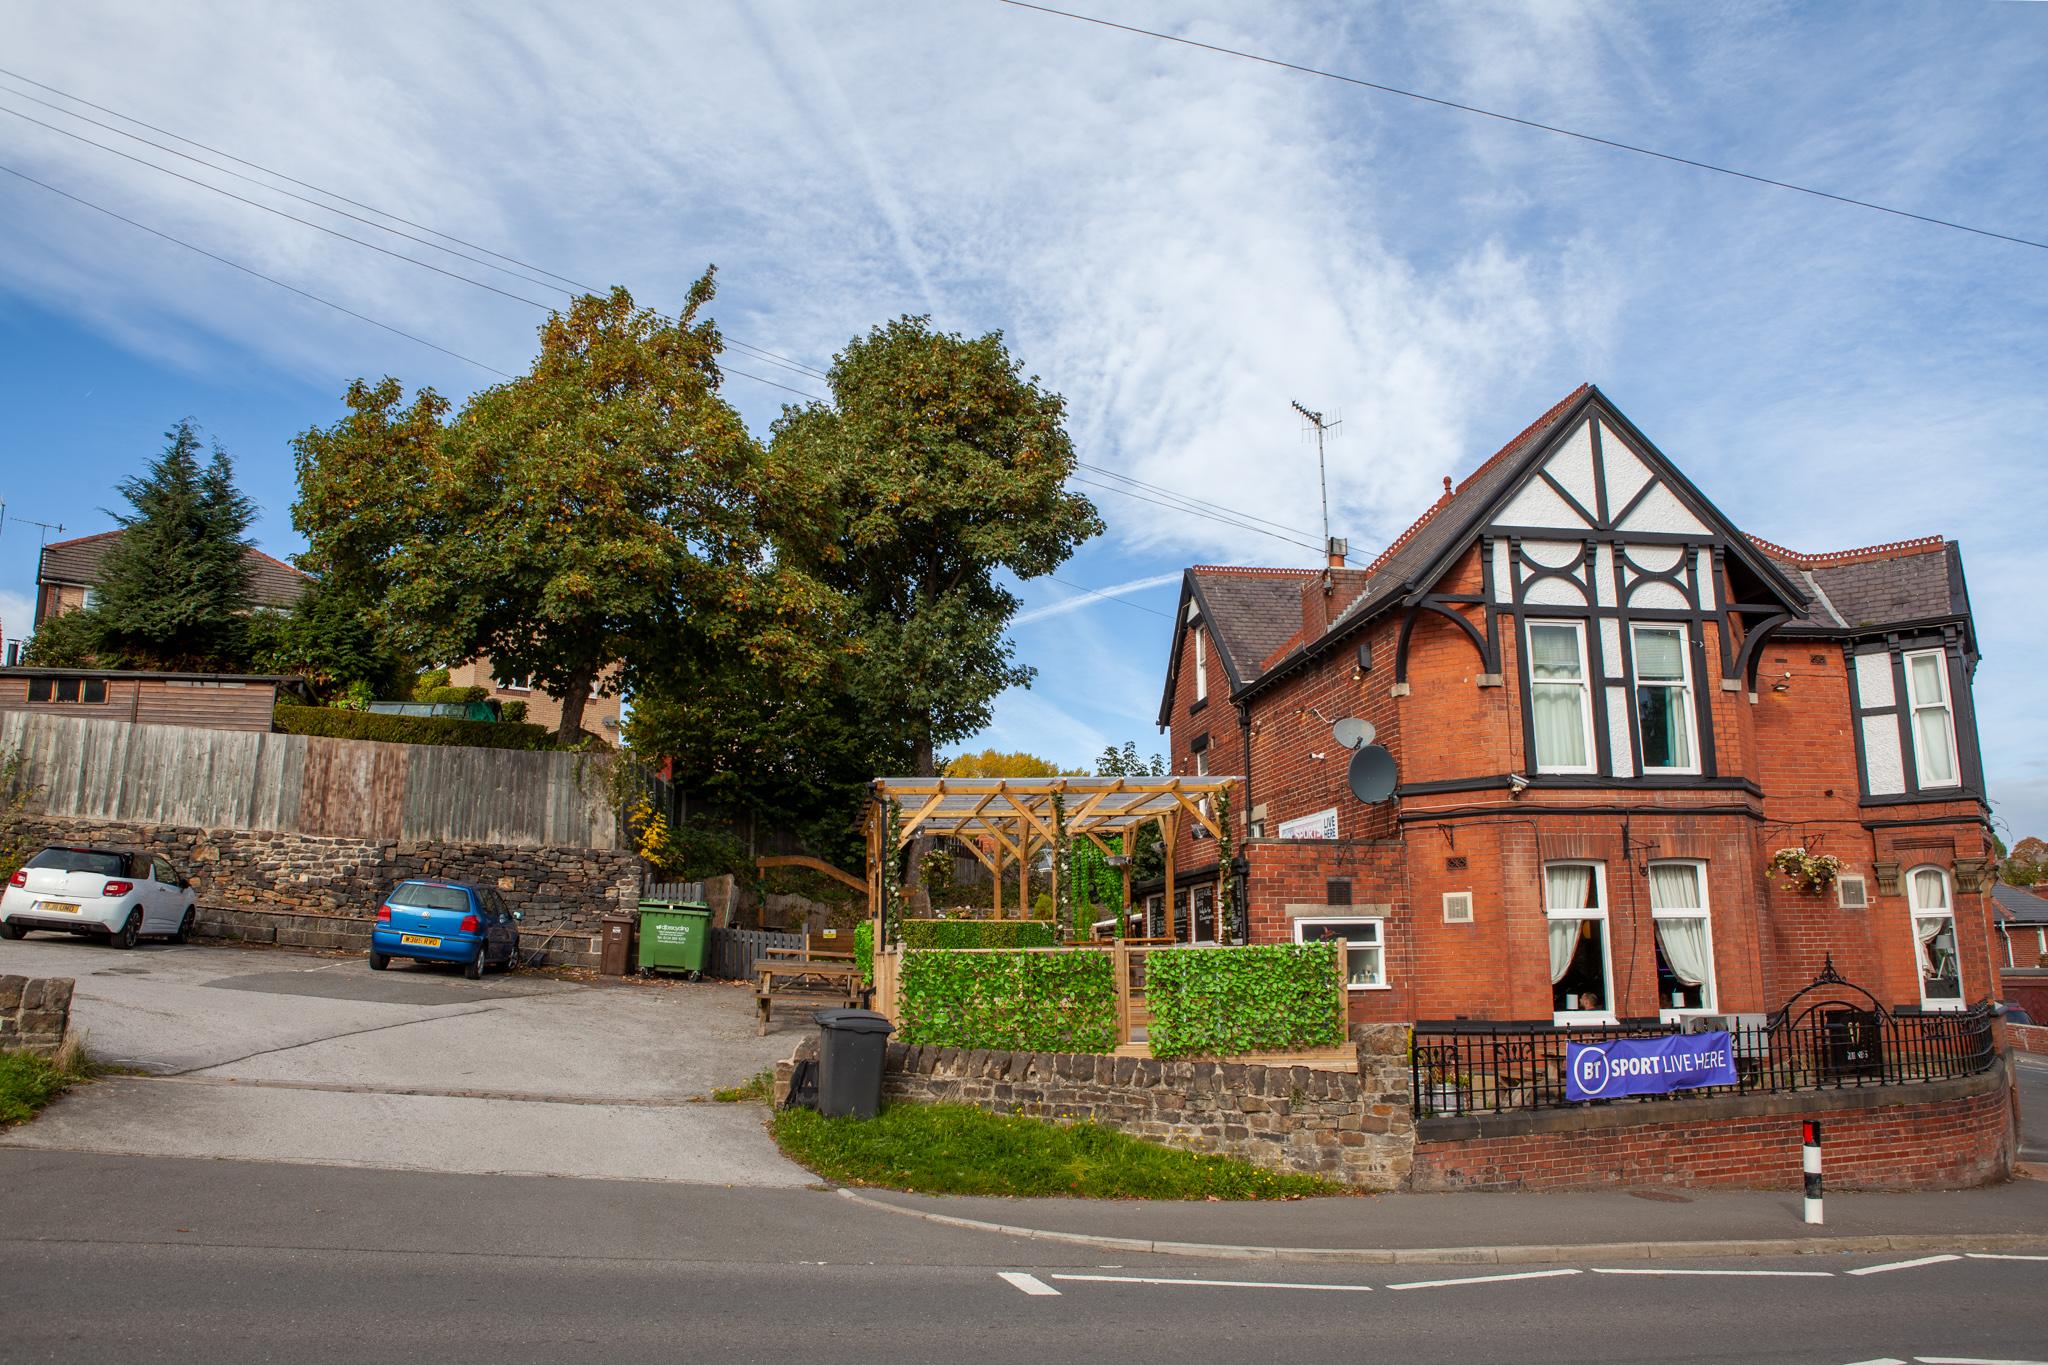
<point>1077,601</point>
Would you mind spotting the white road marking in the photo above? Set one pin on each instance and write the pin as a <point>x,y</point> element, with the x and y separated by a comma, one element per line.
<point>1881,1360</point>
<point>1218,1284</point>
<point>2003,1256</point>
<point>1792,1274</point>
<point>1485,1279</point>
<point>1904,1265</point>
<point>1972,1360</point>
<point>1029,1284</point>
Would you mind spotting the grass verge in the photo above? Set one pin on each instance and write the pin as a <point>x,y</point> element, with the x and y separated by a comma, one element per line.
<point>953,1149</point>
<point>29,1080</point>
<point>759,1087</point>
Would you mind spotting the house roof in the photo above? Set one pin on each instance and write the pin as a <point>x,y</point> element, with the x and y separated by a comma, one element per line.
<point>1878,585</point>
<point>272,582</point>
<point>1255,614</point>
<point>2018,904</point>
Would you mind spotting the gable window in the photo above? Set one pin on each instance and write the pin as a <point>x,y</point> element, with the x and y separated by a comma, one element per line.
<point>1934,726</point>
<point>1664,700</point>
<point>1934,939</point>
<point>1201,666</point>
<point>1560,706</point>
<point>1581,980</point>
<point>1365,948</point>
<point>1685,940</point>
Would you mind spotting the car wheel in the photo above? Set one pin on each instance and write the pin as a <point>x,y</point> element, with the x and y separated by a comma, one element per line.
<point>13,931</point>
<point>378,962</point>
<point>184,934</point>
<point>474,968</point>
<point>129,934</point>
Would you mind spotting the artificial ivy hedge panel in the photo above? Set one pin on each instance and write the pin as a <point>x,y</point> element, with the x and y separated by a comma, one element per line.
<point>1023,1002</point>
<point>864,950</point>
<point>1222,1001</point>
<point>978,933</point>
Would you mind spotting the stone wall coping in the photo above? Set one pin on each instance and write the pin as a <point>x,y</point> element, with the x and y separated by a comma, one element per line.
<point>1628,1114</point>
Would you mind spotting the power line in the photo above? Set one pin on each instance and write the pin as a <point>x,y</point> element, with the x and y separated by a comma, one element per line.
<point>1192,511</point>
<point>292,217</point>
<point>1206,502</point>
<point>1526,123</point>
<point>240,161</point>
<point>267,279</point>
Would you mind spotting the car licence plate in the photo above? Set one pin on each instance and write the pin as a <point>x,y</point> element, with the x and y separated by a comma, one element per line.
<point>419,941</point>
<point>65,906</point>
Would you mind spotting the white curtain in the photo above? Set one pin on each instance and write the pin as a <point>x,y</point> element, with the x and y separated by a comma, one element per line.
<point>1930,889</point>
<point>1564,941</point>
<point>1933,750</point>
<point>1659,657</point>
<point>1925,931</point>
<point>1684,942</point>
<point>1557,696</point>
<point>1674,886</point>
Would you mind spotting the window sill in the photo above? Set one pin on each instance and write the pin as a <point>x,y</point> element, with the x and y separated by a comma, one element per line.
<point>1378,986</point>
<point>1582,1018</point>
<point>1680,1016</point>
<point>1200,704</point>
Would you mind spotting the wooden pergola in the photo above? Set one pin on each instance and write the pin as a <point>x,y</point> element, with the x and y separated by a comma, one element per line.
<point>1005,821</point>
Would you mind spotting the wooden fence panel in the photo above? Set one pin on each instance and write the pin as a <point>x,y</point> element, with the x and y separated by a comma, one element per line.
<point>353,788</point>
<point>733,950</point>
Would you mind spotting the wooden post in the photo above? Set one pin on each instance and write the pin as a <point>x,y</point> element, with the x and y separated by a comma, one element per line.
<point>1023,871</point>
<point>1123,924</point>
<point>1120,960</point>
<point>1167,831</point>
<point>1344,983</point>
<point>997,878</point>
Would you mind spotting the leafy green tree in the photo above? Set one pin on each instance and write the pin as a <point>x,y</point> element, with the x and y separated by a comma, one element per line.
<point>329,638</point>
<point>936,466</point>
<point>2026,865</point>
<point>174,590</point>
<point>75,639</point>
<point>995,763</point>
<point>1148,850</point>
<point>602,507</point>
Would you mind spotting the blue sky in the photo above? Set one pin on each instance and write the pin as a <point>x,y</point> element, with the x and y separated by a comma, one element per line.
<point>1178,241</point>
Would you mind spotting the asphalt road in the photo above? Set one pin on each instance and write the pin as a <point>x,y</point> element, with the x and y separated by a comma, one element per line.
<point>111,1258</point>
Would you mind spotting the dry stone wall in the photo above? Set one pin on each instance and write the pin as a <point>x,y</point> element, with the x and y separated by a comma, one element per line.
<point>34,1012</point>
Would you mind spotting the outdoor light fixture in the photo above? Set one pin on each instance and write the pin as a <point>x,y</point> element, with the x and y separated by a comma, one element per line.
<point>1117,859</point>
<point>1517,784</point>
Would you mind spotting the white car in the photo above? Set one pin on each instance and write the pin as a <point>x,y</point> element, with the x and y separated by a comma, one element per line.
<point>102,891</point>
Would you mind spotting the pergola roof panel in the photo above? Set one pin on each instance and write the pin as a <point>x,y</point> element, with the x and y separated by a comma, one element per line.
<point>960,805</point>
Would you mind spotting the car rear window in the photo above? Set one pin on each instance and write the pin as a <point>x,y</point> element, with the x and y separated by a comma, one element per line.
<point>430,897</point>
<point>86,860</point>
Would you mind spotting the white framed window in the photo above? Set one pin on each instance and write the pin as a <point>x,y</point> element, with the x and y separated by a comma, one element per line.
<point>1934,939</point>
<point>1933,718</point>
<point>1685,939</point>
<point>1457,907</point>
<point>1365,958</point>
<point>520,684</point>
<point>1852,892</point>
<point>1560,697</point>
<point>1201,665</point>
<point>1664,710</point>
<point>1200,831</point>
<point>1581,972</point>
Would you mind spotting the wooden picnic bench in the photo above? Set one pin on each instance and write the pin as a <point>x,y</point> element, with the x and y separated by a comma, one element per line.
<point>814,983</point>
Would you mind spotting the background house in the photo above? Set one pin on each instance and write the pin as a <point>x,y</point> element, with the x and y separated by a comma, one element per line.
<point>2020,916</point>
<point>1608,709</point>
<point>69,570</point>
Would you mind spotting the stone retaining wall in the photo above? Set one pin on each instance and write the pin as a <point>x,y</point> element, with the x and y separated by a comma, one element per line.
<point>35,1012</point>
<point>1353,1127</point>
<point>317,891</point>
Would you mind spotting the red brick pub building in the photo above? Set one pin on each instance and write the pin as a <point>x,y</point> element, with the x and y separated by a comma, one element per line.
<point>1608,709</point>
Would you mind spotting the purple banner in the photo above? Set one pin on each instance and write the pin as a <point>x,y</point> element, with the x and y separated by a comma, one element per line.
<point>1647,1066</point>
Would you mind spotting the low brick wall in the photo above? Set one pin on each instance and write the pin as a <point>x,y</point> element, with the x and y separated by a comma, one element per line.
<point>1943,1135</point>
<point>35,1012</point>
<point>2031,1038</point>
<point>315,891</point>
<point>1354,1127</point>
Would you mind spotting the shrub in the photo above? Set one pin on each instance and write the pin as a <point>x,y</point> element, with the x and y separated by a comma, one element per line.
<point>458,695</point>
<point>471,734</point>
<point>427,681</point>
<point>977,933</point>
<point>512,712</point>
<point>1036,1002</point>
<point>1220,1001</point>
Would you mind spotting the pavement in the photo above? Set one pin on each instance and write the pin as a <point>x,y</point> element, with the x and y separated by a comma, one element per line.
<point>2033,1076</point>
<point>117,1258</point>
<point>270,1055</point>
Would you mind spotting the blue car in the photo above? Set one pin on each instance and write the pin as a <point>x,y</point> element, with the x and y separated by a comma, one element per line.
<point>445,922</point>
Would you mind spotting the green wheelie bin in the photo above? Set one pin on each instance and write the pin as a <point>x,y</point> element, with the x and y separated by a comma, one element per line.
<point>675,936</point>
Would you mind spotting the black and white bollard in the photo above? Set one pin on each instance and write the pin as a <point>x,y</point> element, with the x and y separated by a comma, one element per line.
<point>1810,1154</point>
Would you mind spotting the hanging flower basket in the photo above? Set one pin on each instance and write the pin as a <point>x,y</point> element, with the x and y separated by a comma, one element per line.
<point>1803,871</point>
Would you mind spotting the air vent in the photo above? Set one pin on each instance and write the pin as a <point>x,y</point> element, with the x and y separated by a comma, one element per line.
<point>1456,864</point>
<point>1337,891</point>
<point>1851,893</point>
<point>1458,906</point>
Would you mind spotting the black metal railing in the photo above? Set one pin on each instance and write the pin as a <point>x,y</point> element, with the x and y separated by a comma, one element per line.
<point>1473,1068</point>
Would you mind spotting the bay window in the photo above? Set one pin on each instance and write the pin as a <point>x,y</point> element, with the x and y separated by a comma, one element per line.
<point>1685,939</point>
<point>1581,978</point>
<point>1933,719</point>
<point>1664,700</point>
<point>1560,700</point>
<point>1934,939</point>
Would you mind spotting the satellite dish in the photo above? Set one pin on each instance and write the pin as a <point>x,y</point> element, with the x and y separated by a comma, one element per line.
<point>1372,774</point>
<point>1352,733</point>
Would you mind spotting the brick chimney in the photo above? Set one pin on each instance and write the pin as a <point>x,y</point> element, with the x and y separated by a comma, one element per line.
<point>2040,888</point>
<point>1338,548</point>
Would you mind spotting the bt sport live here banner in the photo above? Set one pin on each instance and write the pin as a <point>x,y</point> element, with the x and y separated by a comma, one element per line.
<point>1648,1066</point>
